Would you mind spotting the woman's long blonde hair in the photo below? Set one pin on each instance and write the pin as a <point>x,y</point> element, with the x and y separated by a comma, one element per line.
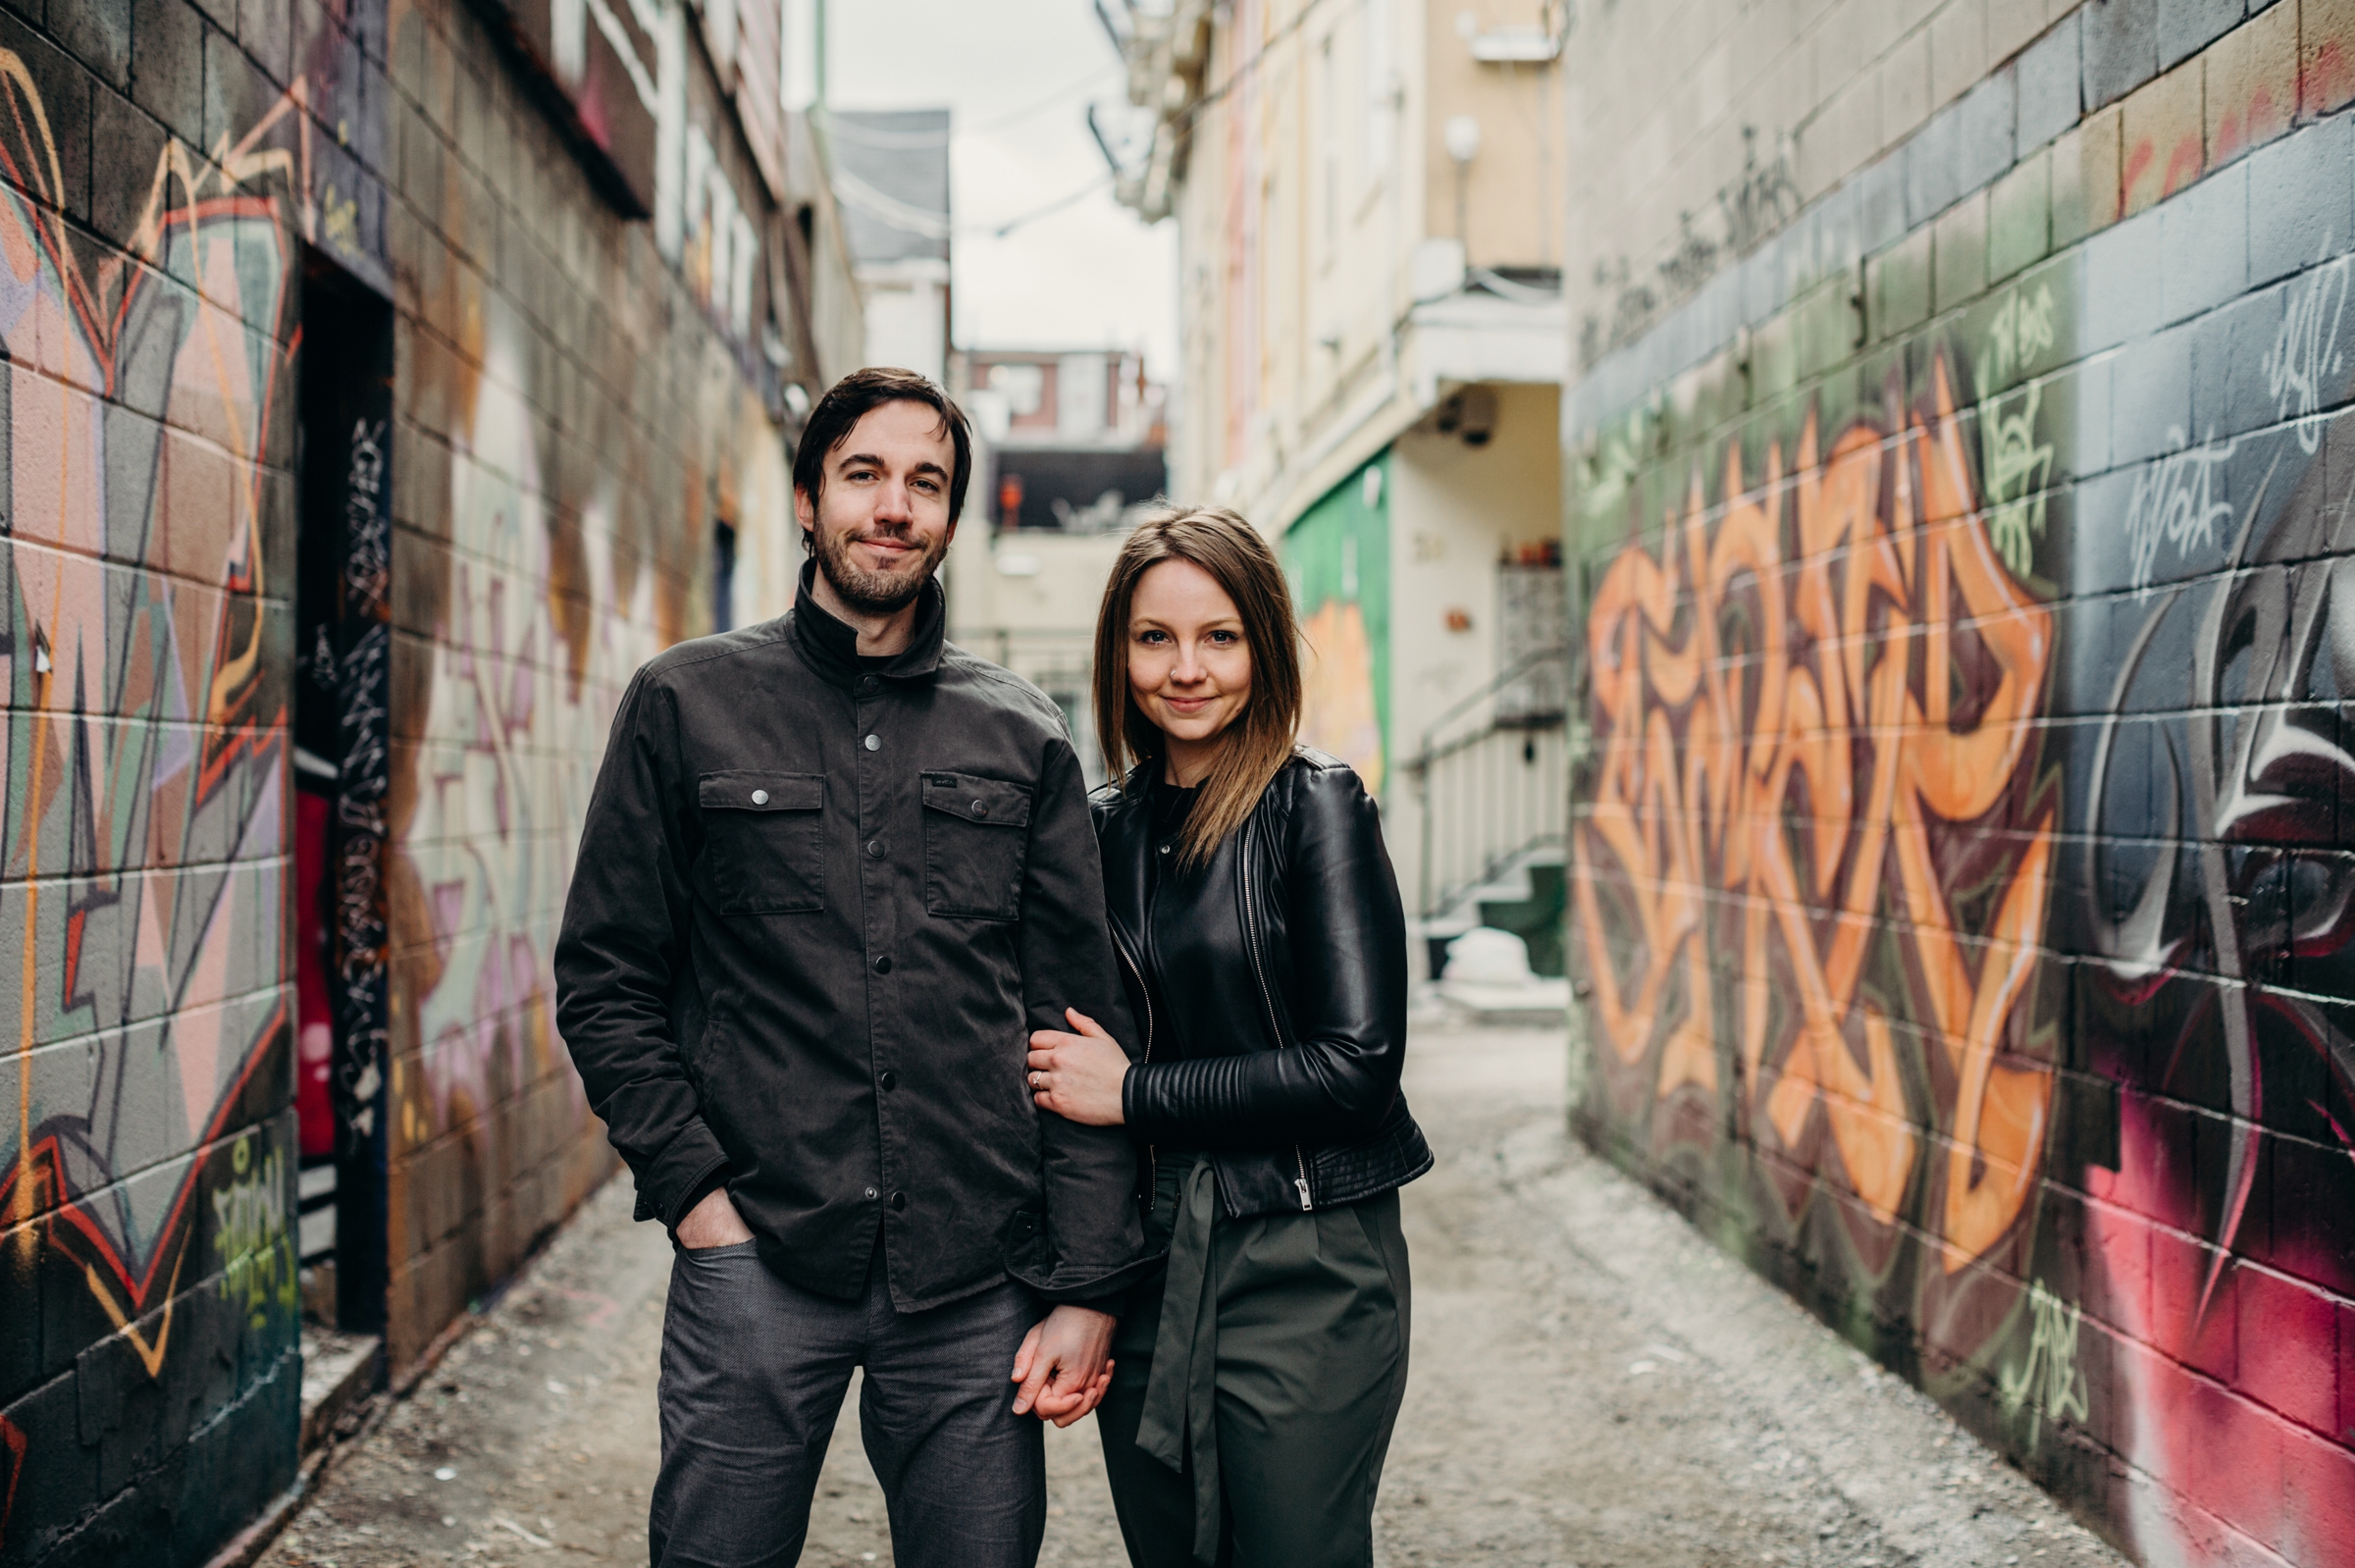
<point>1260,740</point>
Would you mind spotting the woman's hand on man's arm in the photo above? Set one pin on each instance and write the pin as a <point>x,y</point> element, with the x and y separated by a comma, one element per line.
<point>1078,1076</point>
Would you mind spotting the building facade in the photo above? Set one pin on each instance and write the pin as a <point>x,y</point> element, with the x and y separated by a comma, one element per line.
<point>1072,448</point>
<point>891,176</point>
<point>1955,514</point>
<point>1369,199</point>
<point>384,380</point>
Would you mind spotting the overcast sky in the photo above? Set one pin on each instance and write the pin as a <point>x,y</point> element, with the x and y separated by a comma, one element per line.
<point>1017,75</point>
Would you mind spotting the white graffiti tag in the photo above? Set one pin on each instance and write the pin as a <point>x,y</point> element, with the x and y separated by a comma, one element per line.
<point>2305,358</point>
<point>2049,1382</point>
<point>2174,503</point>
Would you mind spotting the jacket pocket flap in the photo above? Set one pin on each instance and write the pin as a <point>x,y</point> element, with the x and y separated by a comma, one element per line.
<point>987,801</point>
<point>753,790</point>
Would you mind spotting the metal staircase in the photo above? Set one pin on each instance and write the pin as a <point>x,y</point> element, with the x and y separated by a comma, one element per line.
<point>1493,774</point>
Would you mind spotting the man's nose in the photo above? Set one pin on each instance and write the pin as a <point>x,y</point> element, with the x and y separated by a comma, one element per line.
<point>895,504</point>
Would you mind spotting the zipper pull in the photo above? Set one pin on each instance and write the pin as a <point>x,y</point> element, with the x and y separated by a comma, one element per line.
<point>1302,1184</point>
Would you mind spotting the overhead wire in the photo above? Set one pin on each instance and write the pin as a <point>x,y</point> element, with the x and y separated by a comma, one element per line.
<point>930,225</point>
<point>924,140</point>
<point>1235,80</point>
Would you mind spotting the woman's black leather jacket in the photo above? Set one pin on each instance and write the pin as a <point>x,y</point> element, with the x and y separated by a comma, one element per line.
<point>1291,1084</point>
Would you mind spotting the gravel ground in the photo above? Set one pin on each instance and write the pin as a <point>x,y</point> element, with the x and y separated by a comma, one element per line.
<point>1595,1387</point>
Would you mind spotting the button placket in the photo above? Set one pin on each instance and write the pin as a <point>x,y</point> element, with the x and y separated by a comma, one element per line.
<point>875,874</point>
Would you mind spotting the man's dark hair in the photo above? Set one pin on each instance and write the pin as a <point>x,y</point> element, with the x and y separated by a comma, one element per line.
<point>847,400</point>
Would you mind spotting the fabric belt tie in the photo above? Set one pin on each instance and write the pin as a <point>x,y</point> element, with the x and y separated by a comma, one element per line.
<point>1181,1416</point>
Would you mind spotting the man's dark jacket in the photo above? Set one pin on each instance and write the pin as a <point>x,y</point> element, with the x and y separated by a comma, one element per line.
<point>820,902</point>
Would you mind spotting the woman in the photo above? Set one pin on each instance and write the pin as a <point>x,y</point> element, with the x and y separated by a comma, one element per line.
<point>1256,1381</point>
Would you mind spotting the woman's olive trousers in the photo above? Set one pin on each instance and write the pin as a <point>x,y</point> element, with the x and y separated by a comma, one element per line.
<point>1281,1343</point>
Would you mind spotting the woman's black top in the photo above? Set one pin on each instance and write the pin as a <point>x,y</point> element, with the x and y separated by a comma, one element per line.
<point>1271,987</point>
<point>1177,958</point>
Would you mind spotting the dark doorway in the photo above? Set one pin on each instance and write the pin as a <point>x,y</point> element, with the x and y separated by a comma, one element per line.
<point>723,577</point>
<point>344,361</point>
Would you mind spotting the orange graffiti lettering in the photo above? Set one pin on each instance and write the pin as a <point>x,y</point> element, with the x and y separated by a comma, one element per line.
<point>1814,806</point>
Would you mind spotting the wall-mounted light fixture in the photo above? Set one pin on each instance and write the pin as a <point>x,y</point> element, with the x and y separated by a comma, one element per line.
<point>1463,139</point>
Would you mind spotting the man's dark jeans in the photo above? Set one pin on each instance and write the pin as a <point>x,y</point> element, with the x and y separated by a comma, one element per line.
<point>753,1373</point>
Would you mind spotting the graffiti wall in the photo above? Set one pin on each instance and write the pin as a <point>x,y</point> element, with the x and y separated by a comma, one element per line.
<point>524,492</point>
<point>1960,907</point>
<point>1337,557</point>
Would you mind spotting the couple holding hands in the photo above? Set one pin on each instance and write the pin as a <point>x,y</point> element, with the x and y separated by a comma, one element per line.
<point>939,1067</point>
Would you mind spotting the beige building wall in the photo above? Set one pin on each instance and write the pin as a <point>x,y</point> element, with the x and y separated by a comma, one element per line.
<point>1513,185</point>
<point>1313,182</point>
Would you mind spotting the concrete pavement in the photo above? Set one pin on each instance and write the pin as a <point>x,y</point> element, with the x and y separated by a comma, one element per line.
<point>1594,1384</point>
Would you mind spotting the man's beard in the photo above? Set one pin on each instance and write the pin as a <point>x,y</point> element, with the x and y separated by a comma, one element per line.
<point>872,592</point>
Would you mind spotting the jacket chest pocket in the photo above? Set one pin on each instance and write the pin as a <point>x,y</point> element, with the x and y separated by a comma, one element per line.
<point>764,840</point>
<point>976,839</point>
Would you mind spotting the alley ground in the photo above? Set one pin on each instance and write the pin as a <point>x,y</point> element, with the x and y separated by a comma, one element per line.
<point>1594,1385</point>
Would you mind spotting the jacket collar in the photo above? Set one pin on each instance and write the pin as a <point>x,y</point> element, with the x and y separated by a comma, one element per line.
<point>831,648</point>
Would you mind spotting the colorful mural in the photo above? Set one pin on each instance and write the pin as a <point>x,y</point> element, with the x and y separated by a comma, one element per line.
<point>1810,752</point>
<point>222,331</point>
<point>149,1160</point>
<point>1961,902</point>
<point>1338,555</point>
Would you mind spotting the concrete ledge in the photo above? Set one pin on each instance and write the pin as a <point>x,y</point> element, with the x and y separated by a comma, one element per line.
<point>339,1369</point>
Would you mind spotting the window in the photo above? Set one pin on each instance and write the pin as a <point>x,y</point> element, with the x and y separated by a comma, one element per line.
<point>1382,86</point>
<point>1023,386</point>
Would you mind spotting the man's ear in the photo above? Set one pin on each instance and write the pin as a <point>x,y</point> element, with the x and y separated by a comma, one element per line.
<point>804,509</point>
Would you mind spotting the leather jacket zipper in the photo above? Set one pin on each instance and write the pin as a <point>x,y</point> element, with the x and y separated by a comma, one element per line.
<point>1121,946</point>
<point>1267,1003</point>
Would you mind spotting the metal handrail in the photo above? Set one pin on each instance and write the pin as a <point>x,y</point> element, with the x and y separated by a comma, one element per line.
<point>1508,676</point>
<point>1513,777</point>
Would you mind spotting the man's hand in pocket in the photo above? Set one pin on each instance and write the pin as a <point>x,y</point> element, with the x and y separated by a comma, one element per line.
<point>712,1222</point>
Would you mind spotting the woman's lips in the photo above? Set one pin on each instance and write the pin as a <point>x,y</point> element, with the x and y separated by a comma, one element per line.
<point>1189,704</point>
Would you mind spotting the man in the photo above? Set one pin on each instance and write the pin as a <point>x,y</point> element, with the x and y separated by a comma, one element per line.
<point>834,872</point>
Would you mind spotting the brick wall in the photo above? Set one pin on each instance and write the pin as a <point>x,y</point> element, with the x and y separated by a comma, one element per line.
<point>197,203</point>
<point>1958,497</point>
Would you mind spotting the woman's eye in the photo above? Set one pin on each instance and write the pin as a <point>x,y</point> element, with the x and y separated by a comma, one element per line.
<point>1224,639</point>
<point>1152,637</point>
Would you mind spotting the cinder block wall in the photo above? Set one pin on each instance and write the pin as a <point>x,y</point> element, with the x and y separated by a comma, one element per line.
<point>573,408</point>
<point>570,426</point>
<point>1960,464</point>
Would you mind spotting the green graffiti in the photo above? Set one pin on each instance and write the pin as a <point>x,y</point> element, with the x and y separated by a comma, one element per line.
<point>257,1250</point>
<point>2021,330</point>
<point>2049,1382</point>
<point>1611,471</point>
<point>2015,467</point>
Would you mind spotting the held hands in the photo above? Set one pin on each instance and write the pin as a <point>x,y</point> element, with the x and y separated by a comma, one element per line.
<point>1063,1366</point>
<point>712,1222</point>
<point>1078,1077</point>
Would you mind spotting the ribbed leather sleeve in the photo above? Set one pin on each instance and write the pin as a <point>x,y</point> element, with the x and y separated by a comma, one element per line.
<point>1340,1005</point>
